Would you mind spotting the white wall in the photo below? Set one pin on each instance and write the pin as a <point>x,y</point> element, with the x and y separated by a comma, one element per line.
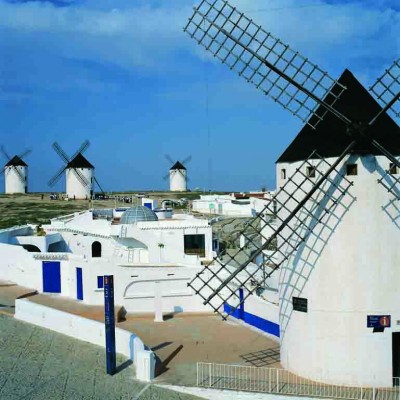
<point>74,187</point>
<point>41,242</point>
<point>347,269</point>
<point>127,343</point>
<point>177,180</point>
<point>222,205</point>
<point>16,183</point>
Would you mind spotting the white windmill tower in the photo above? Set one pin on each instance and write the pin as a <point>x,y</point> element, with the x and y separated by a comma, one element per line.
<point>15,172</point>
<point>333,231</point>
<point>177,174</point>
<point>79,173</point>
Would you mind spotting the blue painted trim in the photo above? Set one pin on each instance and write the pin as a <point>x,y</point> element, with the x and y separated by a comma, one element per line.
<point>100,282</point>
<point>131,352</point>
<point>51,275</point>
<point>254,320</point>
<point>79,284</point>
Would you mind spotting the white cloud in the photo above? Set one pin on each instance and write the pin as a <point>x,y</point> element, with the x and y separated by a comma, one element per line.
<point>137,36</point>
<point>363,36</point>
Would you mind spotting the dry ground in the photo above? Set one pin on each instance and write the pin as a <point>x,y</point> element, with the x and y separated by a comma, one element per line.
<point>30,208</point>
<point>179,342</point>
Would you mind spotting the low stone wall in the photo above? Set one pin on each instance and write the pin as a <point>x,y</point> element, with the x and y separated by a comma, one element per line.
<point>127,343</point>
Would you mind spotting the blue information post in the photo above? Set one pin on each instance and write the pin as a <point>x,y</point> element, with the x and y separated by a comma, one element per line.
<point>111,362</point>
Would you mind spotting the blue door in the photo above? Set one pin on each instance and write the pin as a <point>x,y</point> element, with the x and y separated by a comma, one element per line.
<point>79,284</point>
<point>51,276</point>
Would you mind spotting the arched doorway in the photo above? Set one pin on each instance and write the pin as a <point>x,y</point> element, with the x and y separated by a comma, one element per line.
<point>96,249</point>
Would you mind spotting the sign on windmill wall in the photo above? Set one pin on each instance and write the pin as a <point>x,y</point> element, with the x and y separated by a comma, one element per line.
<point>378,321</point>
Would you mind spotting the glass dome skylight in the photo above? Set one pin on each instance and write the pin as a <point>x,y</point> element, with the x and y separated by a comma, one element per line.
<point>136,214</point>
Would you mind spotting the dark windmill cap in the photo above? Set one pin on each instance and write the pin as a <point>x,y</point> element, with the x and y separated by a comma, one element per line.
<point>16,162</point>
<point>80,162</point>
<point>177,165</point>
<point>330,138</point>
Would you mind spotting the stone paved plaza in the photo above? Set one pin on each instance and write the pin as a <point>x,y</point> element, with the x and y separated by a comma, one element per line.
<point>36,363</point>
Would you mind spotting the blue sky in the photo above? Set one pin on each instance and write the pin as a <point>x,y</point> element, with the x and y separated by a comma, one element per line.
<point>124,75</point>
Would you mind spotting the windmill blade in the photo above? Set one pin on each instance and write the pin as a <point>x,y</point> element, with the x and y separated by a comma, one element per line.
<point>387,180</point>
<point>25,154</point>
<point>82,148</point>
<point>387,86</point>
<point>56,177</point>
<point>272,66</point>
<point>165,177</point>
<point>283,235</point>
<point>5,154</point>
<point>180,171</point>
<point>98,184</point>
<point>63,155</point>
<point>186,160</point>
<point>169,158</point>
<point>80,177</point>
<point>18,172</point>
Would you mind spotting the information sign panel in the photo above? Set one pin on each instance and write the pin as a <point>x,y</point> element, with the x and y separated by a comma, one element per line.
<point>109,324</point>
<point>378,321</point>
<point>300,304</point>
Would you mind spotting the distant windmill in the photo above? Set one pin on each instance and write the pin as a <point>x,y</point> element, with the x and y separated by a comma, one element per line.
<point>16,172</point>
<point>79,172</point>
<point>177,174</point>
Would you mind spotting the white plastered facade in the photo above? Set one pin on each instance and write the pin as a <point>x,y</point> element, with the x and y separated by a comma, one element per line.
<point>138,255</point>
<point>347,269</point>
<point>177,180</point>
<point>75,189</point>
<point>16,182</point>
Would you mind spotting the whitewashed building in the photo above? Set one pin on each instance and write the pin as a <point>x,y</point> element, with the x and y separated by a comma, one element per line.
<point>178,178</point>
<point>79,176</point>
<point>138,249</point>
<point>347,271</point>
<point>233,205</point>
<point>16,176</point>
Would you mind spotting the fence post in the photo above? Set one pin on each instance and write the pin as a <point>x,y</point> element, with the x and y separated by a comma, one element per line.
<point>197,374</point>
<point>269,379</point>
<point>209,374</point>
<point>277,380</point>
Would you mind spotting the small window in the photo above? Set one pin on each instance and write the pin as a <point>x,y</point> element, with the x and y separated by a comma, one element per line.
<point>195,245</point>
<point>283,173</point>
<point>96,249</point>
<point>310,172</point>
<point>351,169</point>
<point>393,169</point>
<point>100,282</point>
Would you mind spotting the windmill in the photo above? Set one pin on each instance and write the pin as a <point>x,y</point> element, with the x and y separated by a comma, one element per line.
<point>16,172</point>
<point>177,174</point>
<point>79,172</point>
<point>331,231</point>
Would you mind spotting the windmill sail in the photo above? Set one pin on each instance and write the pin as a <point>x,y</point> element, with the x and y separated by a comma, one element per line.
<point>387,87</point>
<point>276,233</point>
<point>269,64</point>
<point>304,202</point>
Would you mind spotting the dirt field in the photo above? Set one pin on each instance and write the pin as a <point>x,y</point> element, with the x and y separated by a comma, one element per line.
<point>30,208</point>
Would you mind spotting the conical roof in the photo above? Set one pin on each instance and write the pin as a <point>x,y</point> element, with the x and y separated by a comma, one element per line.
<point>16,162</point>
<point>177,165</point>
<point>79,162</point>
<point>330,138</point>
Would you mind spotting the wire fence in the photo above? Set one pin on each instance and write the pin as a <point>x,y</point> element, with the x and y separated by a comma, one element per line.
<point>279,381</point>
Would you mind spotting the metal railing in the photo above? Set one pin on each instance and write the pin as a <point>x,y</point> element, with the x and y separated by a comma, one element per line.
<point>280,381</point>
